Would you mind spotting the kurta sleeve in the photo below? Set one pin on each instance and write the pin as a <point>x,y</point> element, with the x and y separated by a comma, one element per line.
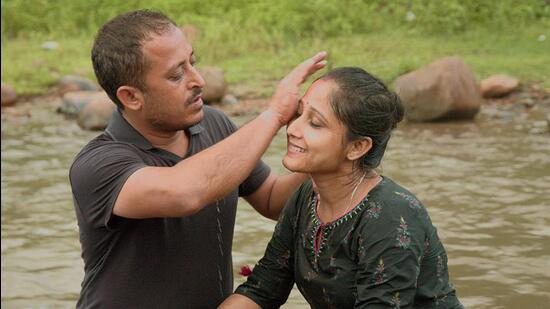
<point>390,246</point>
<point>273,277</point>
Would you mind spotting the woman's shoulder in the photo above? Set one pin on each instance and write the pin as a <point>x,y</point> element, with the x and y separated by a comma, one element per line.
<point>395,199</point>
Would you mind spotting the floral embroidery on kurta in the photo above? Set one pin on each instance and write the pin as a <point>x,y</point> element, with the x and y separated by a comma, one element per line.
<point>373,211</point>
<point>413,202</point>
<point>396,301</point>
<point>403,235</point>
<point>379,273</point>
<point>439,268</point>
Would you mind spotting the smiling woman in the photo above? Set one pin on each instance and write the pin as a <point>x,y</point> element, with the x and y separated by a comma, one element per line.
<point>349,237</point>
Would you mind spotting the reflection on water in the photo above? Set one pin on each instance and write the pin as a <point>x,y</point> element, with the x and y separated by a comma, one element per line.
<point>486,187</point>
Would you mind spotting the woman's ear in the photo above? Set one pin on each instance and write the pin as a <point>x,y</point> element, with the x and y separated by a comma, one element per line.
<point>359,148</point>
<point>131,97</point>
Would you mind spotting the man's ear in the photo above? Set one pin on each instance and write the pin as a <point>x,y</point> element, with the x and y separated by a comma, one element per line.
<point>131,97</point>
<point>358,148</point>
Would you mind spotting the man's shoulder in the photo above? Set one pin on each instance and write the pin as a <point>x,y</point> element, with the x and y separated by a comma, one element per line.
<point>100,148</point>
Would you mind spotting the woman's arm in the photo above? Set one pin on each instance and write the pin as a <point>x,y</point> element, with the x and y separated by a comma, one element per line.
<point>273,277</point>
<point>239,301</point>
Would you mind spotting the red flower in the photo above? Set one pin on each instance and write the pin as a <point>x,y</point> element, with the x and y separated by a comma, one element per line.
<point>245,271</point>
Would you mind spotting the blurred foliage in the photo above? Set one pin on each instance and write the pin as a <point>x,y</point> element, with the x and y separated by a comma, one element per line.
<point>287,19</point>
<point>387,37</point>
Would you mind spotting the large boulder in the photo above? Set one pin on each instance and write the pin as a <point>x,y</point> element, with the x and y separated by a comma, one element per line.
<point>97,113</point>
<point>9,97</point>
<point>443,90</point>
<point>216,85</point>
<point>74,102</point>
<point>498,86</point>
<point>70,83</point>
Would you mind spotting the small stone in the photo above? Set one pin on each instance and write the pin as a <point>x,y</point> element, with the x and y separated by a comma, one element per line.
<point>74,102</point>
<point>50,45</point>
<point>540,124</point>
<point>498,86</point>
<point>229,99</point>
<point>410,16</point>
<point>538,130</point>
<point>528,102</point>
<point>9,97</point>
<point>70,83</point>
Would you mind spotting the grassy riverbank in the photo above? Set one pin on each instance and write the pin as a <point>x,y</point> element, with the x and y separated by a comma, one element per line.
<point>256,44</point>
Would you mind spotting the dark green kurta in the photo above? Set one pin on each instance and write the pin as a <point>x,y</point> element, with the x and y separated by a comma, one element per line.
<point>384,253</point>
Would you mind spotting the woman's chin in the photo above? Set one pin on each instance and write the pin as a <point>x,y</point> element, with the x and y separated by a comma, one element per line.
<point>289,165</point>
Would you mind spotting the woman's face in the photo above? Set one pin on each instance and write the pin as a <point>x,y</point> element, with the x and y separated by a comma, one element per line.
<point>316,139</point>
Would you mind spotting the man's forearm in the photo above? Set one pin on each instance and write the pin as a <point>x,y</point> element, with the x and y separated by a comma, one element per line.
<point>218,170</point>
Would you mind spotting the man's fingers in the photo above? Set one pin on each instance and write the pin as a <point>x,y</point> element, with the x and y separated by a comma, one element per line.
<point>319,56</point>
<point>319,65</point>
<point>308,67</point>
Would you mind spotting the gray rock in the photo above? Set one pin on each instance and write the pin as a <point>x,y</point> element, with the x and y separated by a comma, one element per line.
<point>229,99</point>
<point>74,102</point>
<point>216,85</point>
<point>9,97</point>
<point>70,83</point>
<point>540,124</point>
<point>97,113</point>
<point>50,45</point>
<point>538,130</point>
<point>443,90</point>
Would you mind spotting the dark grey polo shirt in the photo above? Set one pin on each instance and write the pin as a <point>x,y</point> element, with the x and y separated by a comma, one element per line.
<point>152,263</point>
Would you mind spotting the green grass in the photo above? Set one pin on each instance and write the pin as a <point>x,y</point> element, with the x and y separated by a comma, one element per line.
<point>256,43</point>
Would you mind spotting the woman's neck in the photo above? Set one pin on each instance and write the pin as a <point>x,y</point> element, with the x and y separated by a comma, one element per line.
<point>338,194</point>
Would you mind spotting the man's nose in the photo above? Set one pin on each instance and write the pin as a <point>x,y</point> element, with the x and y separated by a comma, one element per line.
<point>196,79</point>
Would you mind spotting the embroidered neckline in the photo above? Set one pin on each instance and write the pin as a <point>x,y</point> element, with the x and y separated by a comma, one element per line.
<point>319,241</point>
<point>339,220</point>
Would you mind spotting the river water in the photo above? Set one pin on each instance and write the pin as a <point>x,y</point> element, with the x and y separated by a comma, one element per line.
<point>485,183</point>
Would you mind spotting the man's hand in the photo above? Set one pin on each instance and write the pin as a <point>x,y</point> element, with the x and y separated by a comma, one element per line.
<point>284,102</point>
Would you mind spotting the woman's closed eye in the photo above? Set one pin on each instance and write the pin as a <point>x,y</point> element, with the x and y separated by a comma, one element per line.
<point>314,124</point>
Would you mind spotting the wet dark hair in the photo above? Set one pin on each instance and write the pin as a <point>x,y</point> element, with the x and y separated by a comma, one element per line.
<point>367,108</point>
<point>117,54</point>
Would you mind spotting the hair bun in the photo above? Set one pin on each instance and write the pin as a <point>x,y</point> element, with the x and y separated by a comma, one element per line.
<point>398,110</point>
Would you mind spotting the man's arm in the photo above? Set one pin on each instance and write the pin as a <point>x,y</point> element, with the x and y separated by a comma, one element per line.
<point>272,195</point>
<point>190,185</point>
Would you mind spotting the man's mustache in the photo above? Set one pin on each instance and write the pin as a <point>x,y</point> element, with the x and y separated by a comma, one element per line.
<point>196,92</point>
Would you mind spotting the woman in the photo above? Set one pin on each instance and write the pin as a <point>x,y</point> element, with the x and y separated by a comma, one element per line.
<point>349,237</point>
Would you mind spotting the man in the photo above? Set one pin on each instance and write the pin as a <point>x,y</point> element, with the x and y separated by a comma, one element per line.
<point>155,195</point>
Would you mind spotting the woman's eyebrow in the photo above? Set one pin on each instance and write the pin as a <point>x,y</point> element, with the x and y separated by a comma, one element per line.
<point>318,112</point>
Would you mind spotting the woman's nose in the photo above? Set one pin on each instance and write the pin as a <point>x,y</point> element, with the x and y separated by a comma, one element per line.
<point>293,127</point>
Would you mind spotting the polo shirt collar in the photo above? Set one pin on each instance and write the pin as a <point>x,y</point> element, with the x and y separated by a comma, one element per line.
<point>121,130</point>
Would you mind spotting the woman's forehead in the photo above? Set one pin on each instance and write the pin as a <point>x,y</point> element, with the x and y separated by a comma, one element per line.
<point>319,92</point>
